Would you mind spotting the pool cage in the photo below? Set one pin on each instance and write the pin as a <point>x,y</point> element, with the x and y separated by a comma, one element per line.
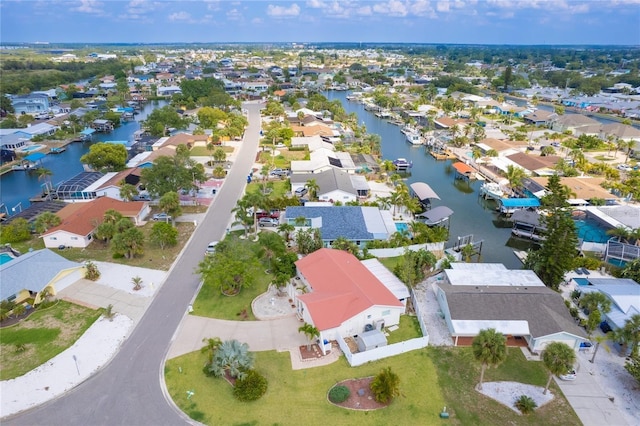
<point>76,187</point>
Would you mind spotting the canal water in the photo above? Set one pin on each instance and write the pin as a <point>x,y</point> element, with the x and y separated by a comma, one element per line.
<point>472,215</point>
<point>18,187</point>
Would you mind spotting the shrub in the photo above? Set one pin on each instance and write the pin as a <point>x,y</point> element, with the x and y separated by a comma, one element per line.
<point>339,394</point>
<point>525,404</point>
<point>251,387</point>
<point>385,385</point>
<point>92,271</point>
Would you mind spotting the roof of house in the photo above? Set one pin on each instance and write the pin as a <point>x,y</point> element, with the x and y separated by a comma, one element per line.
<point>354,223</point>
<point>586,188</point>
<point>575,120</point>
<point>342,287</point>
<point>533,162</point>
<point>184,138</point>
<point>542,308</point>
<point>83,218</point>
<point>328,181</point>
<point>32,271</point>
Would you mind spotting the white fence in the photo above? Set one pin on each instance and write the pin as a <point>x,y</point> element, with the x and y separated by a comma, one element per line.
<point>417,308</point>
<point>382,352</point>
<point>398,251</point>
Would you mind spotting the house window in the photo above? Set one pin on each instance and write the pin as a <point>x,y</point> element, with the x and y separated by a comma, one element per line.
<point>53,238</point>
<point>386,313</point>
<point>74,238</point>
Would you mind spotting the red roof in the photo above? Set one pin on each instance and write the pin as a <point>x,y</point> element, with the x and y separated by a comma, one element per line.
<point>462,168</point>
<point>342,287</point>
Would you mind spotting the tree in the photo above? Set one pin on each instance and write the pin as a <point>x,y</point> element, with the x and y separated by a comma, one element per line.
<point>633,367</point>
<point>242,216</point>
<point>170,203</point>
<point>286,229</point>
<point>313,188</point>
<point>251,387</point>
<point>310,331</point>
<point>632,270</point>
<point>490,349</point>
<point>137,283</point>
<point>629,335</point>
<point>16,231</point>
<point>45,175</point>
<point>92,272</point>
<point>219,155</point>
<point>341,243</point>
<point>45,221</point>
<point>232,267</point>
<point>557,254</point>
<point>129,243</point>
<point>515,176</point>
<point>232,358</point>
<point>163,118</point>
<point>210,348</point>
<point>308,240</point>
<point>385,385</point>
<point>559,358</point>
<point>413,266</point>
<point>163,234</point>
<point>127,191</point>
<point>106,157</point>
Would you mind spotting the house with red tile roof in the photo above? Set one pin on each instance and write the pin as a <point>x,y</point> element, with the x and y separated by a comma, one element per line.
<point>343,296</point>
<point>79,220</point>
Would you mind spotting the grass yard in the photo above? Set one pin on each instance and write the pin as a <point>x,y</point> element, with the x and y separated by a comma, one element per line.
<point>202,151</point>
<point>409,328</point>
<point>211,303</point>
<point>390,262</point>
<point>44,335</point>
<point>300,397</point>
<point>279,187</point>
<point>458,374</point>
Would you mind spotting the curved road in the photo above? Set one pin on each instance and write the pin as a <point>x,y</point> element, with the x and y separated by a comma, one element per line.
<point>129,390</point>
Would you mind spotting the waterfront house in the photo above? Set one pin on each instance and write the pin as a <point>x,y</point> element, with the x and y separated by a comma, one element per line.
<point>79,220</point>
<point>571,122</point>
<point>540,117</point>
<point>355,223</point>
<point>26,276</point>
<point>585,188</point>
<point>33,103</point>
<point>342,297</point>
<point>477,296</point>
<point>10,140</point>
<point>323,159</point>
<point>334,185</point>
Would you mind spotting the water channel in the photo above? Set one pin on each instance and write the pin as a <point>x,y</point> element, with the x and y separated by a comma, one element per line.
<point>472,214</point>
<point>19,186</point>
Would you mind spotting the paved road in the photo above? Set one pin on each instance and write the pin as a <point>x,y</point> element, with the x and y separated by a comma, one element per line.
<point>129,391</point>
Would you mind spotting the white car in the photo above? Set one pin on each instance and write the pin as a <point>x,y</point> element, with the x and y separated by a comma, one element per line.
<point>211,248</point>
<point>624,167</point>
<point>569,376</point>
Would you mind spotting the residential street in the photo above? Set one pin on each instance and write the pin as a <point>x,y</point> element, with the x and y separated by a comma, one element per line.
<point>130,389</point>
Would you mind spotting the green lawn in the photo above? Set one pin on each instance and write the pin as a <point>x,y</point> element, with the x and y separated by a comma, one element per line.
<point>300,397</point>
<point>409,328</point>
<point>279,189</point>
<point>458,373</point>
<point>44,334</point>
<point>213,304</point>
<point>390,262</point>
<point>202,151</point>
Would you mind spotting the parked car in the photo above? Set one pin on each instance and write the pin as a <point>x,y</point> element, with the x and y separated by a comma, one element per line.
<point>301,191</point>
<point>279,172</point>
<point>568,376</point>
<point>625,167</point>
<point>211,248</point>
<point>267,221</point>
<point>161,216</point>
<point>605,327</point>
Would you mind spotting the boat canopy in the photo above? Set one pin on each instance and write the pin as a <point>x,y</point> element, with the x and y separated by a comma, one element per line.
<point>87,132</point>
<point>423,191</point>
<point>462,168</point>
<point>436,215</point>
<point>35,156</point>
<point>520,203</point>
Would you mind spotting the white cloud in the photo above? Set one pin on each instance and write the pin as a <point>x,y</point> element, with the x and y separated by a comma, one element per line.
<point>442,6</point>
<point>316,4</point>
<point>281,11</point>
<point>364,11</point>
<point>421,8</point>
<point>213,5</point>
<point>93,7</point>
<point>392,8</point>
<point>257,21</point>
<point>234,15</point>
<point>180,16</point>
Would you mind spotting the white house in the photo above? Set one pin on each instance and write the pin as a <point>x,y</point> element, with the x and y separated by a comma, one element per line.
<point>343,297</point>
<point>474,297</point>
<point>334,185</point>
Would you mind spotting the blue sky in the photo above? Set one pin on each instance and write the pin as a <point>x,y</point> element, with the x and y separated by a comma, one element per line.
<point>417,21</point>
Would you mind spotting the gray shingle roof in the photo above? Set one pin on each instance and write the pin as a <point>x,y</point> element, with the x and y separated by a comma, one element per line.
<point>542,308</point>
<point>329,180</point>
<point>32,271</point>
<point>337,221</point>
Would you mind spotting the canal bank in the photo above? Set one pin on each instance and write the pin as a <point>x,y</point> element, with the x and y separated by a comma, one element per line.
<point>472,215</point>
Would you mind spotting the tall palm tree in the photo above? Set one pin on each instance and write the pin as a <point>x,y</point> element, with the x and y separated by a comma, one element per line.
<point>45,174</point>
<point>286,229</point>
<point>489,348</point>
<point>559,358</point>
<point>515,176</point>
<point>630,335</point>
<point>313,188</point>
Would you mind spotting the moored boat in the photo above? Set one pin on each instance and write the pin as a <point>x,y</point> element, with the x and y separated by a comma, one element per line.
<point>402,164</point>
<point>57,150</point>
<point>414,138</point>
<point>491,190</point>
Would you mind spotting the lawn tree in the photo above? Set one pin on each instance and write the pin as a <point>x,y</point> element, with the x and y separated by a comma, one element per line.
<point>211,346</point>
<point>219,155</point>
<point>515,176</point>
<point>92,272</point>
<point>163,234</point>
<point>629,335</point>
<point>272,245</point>
<point>170,203</point>
<point>313,188</point>
<point>414,265</point>
<point>286,229</point>
<point>46,221</point>
<point>170,174</point>
<point>129,243</point>
<point>490,349</point>
<point>596,304</point>
<point>242,216</point>
<point>308,240</point>
<point>162,119</point>
<point>108,157</point>
<point>632,365</point>
<point>232,358</point>
<point>385,385</point>
<point>559,358</point>
<point>310,331</point>
<point>632,270</point>
<point>16,231</point>
<point>127,191</point>
<point>341,243</point>
<point>284,268</point>
<point>257,201</point>
<point>557,254</point>
<point>232,267</point>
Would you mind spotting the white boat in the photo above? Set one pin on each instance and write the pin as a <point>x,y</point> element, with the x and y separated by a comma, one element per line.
<point>414,138</point>
<point>491,190</point>
<point>402,164</point>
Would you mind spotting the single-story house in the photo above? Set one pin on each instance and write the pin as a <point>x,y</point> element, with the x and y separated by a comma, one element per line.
<point>25,276</point>
<point>355,223</point>
<point>624,294</point>
<point>79,220</point>
<point>334,185</point>
<point>343,297</point>
<point>540,117</point>
<point>478,296</point>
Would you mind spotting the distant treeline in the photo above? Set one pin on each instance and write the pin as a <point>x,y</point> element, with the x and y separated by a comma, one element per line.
<point>25,76</point>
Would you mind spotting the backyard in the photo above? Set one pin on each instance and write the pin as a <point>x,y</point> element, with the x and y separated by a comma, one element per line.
<point>41,336</point>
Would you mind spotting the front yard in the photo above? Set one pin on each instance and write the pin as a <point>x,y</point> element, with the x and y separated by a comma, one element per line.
<point>41,336</point>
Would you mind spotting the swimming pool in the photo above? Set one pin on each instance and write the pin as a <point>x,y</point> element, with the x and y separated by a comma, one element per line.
<point>31,148</point>
<point>4,258</point>
<point>590,231</point>
<point>581,281</point>
<point>402,227</point>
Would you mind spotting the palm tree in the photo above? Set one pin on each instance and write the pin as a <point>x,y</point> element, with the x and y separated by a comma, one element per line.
<point>559,358</point>
<point>313,188</point>
<point>310,331</point>
<point>515,176</point>
<point>243,218</point>
<point>45,175</point>
<point>127,191</point>
<point>212,345</point>
<point>385,385</point>
<point>233,358</point>
<point>630,335</point>
<point>137,283</point>
<point>490,348</point>
<point>286,229</point>
<point>256,200</point>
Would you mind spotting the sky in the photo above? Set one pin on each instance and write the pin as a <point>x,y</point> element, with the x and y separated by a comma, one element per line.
<point>540,22</point>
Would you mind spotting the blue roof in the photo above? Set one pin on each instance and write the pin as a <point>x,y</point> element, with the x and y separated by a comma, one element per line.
<point>35,156</point>
<point>87,131</point>
<point>337,221</point>
<point>520,202</point>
